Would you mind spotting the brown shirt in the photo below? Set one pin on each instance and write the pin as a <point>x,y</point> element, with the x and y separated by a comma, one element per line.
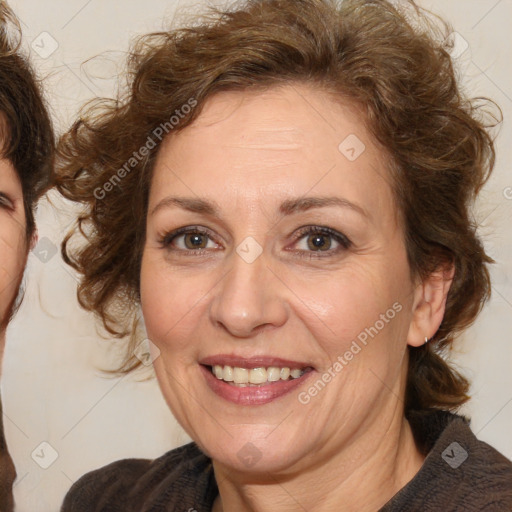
<point>460,473</point>
<point>7,471</point>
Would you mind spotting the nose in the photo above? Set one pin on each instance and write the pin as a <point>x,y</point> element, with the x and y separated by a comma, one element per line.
<point>249,298</point>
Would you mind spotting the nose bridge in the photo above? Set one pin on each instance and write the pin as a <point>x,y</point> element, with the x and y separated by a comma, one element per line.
<point>249,296</point>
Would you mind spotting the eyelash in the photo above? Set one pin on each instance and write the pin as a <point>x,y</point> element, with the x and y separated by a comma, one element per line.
<point>341,239</point>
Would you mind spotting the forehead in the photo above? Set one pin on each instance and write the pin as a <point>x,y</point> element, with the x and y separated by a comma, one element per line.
<point>271,144</point>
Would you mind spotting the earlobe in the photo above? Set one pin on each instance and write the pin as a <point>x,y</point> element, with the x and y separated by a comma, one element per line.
<point>429,305</point>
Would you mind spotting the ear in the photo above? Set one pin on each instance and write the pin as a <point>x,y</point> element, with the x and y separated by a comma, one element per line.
<point>429,305</point>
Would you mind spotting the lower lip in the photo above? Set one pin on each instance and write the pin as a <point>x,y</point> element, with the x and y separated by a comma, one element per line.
<point>252,395</point>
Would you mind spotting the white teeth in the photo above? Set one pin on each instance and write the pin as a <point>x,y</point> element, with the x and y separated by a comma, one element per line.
<point>243,377</point>
<point>240,375</point>
<point>257,375</point>
<point>227,373</point>
<point>273,374</point>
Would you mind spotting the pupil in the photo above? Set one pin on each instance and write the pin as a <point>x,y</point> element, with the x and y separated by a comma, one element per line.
<point>319,242</point>
<point>195,240</point>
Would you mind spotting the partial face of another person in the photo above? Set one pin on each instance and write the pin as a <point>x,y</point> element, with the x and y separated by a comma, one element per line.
<point>273,241</point>
<point>13,243</point>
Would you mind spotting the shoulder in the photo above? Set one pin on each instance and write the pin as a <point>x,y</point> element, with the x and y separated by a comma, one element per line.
<point>460,472</point>
<point>481,472</point>
<point>130,484</point>
<point>7,471</point>
<point>97,490</point>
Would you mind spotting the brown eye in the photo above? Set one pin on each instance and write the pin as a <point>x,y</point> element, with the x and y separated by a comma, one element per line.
<point>188,240</point>
<point>195,240</point>
<point>319,242</point>
<point>313,241</point>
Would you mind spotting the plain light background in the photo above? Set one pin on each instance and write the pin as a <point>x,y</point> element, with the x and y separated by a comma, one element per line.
<point>52,389</point>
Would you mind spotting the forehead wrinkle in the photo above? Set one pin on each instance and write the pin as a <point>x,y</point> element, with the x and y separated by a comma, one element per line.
<point>272,139</point>
<point>266,147</point>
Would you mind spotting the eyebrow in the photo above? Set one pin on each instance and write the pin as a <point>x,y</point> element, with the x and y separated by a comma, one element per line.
<point>287,207</point>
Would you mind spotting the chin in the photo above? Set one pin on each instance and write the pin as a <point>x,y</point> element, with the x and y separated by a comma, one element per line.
<point>252,450</point>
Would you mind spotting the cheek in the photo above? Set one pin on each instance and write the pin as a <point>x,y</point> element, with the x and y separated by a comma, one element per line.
<point>170,302</point>
<point>361,303</point>
<point>330,310</point>
<point>13,251</point>
<point>347,299</point>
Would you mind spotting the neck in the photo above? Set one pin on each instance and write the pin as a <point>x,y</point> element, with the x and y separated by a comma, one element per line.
<point>362,477</point>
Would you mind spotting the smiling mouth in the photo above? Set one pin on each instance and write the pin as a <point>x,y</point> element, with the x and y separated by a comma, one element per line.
<point>261,376</point>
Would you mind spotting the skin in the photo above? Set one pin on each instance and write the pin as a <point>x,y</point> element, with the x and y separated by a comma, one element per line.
<point>13,257</point>
<point>249,152</point>
<point>13,244</point>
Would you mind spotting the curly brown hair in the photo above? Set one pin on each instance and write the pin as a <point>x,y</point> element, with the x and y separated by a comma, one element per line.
<point>26,132</point>
<point>392,61</point>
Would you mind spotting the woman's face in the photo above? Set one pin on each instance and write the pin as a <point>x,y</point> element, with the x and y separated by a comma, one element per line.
<point>273,242</point>
<point>13,245</point>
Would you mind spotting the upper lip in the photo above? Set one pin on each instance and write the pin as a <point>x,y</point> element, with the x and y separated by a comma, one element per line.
<point>251,362</point>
